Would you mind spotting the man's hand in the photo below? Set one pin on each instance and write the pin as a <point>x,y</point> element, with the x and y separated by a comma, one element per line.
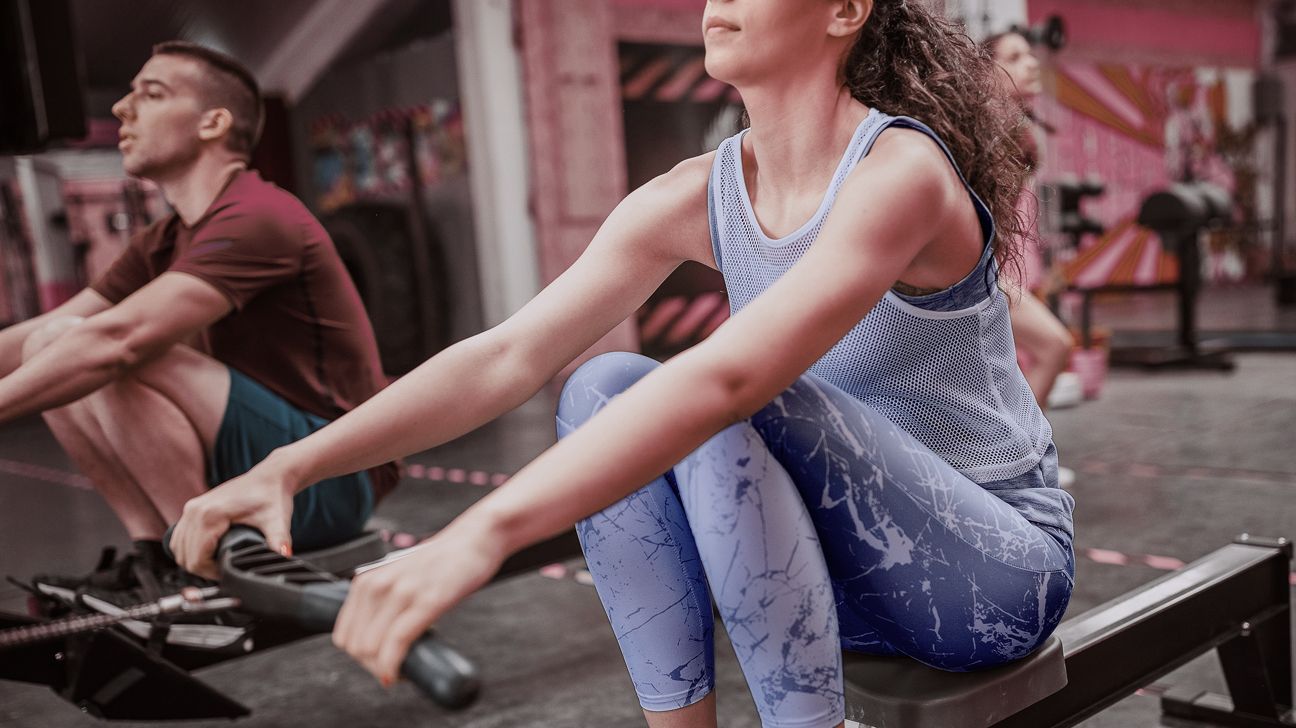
<point>106,345</point>
<point>261,498</point>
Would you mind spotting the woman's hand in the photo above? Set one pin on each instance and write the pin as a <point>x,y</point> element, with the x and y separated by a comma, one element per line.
<point>391,606</point>
<point>261,498</point>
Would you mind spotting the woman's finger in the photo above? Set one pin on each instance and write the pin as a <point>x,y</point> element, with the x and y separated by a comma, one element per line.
<point>366,596</point>
<point>387,596</point>
<point>400,635</point>
<point>342,625</point>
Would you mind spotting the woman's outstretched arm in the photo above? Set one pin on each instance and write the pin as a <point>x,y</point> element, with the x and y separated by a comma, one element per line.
<point>646,237</point>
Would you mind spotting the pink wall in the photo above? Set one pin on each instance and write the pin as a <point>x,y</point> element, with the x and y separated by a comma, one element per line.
<point>573,109</point>
<point>1187,32</point>
<point>1113,98</point>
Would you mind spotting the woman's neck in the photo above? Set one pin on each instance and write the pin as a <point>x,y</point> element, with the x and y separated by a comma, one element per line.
<point>798,130</point>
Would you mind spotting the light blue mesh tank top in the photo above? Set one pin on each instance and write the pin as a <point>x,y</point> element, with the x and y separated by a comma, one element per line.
<point>943,367</point>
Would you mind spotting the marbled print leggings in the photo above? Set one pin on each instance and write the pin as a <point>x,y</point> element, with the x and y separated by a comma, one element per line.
<point>816,525</point>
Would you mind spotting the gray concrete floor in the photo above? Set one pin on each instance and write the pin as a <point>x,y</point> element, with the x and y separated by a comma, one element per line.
<point>1169,464</point>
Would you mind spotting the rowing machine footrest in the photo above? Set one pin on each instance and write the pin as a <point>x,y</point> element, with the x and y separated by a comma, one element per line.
<point>896,692</point>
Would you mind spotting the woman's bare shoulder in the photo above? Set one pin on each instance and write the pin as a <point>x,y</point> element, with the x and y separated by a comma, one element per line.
<point>908,148</point>
<point>918,160</point>
<point>675,205</point>
<point>684,185</point>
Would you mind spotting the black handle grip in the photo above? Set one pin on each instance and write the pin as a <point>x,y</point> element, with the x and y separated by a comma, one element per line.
<point>235,537</point>
<point>439,671</point>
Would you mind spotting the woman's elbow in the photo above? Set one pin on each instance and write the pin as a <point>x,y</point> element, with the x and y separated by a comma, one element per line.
<point>734,391</point>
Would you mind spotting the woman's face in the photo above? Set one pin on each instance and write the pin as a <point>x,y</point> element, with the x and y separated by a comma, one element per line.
<point>1022,68</point>
<point>750,40</point>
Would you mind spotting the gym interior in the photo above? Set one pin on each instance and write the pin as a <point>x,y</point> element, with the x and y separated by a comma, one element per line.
<point>461,155</point>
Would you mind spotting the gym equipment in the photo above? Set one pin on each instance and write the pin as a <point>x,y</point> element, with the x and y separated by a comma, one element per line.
<point>270,584</point>
<point>1051,33</point>
<point>1178,214</point>
<point>1267,106</point>
<point>1061,212</point>
<point>1236,600</point>
<point>113,674</point>
<point>110,673</point>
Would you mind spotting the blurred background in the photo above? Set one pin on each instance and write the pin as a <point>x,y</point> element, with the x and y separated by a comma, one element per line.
<point>462,153</point>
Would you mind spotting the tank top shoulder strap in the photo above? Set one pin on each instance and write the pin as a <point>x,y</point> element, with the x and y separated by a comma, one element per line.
<point>713,188</point>
<point>982,210</point>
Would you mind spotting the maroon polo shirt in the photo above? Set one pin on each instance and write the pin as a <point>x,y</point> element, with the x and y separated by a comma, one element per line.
<point>298,326</point>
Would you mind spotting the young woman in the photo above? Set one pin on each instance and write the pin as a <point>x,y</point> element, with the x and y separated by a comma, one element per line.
<point>1041,337</point>
<point>853,460</point>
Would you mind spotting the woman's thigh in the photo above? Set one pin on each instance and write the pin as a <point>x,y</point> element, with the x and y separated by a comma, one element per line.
<point>939,568</point>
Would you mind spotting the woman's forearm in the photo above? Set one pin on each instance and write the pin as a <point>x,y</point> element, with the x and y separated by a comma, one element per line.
<point>631,441</point>
<point>456,391</point>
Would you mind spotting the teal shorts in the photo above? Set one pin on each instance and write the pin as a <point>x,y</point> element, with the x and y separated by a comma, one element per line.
<point>256,422</point>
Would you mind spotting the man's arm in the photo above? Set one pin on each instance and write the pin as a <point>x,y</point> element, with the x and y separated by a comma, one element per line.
<point>110,343</point>
<point>85,304</point>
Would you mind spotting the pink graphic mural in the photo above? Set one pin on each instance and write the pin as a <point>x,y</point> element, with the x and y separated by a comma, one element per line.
<point>1140,128</point>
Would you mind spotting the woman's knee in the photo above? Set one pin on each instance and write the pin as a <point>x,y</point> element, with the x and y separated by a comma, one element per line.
<point>1060,345</point>
<point>596,382</point>
<point>46,334</point>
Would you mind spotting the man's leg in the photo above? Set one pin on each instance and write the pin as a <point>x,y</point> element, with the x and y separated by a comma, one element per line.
<point>161,422</point>
<point>77,430</point>
<point>142,439</point>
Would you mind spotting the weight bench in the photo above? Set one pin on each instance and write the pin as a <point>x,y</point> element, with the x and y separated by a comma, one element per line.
<point>1236,600</point>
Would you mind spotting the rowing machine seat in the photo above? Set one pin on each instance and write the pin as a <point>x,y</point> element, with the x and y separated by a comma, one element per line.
<point>896,692</point>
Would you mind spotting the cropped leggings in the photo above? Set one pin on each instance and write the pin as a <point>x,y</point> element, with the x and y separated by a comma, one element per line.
<point>815,525</point>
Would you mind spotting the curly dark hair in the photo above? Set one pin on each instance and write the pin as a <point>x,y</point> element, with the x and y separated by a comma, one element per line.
<point>909,61</point>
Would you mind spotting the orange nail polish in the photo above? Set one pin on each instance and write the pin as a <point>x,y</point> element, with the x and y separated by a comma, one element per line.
<point>285,549</point>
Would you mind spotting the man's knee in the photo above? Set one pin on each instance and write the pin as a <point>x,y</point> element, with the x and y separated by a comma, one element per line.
<point>45,335</point>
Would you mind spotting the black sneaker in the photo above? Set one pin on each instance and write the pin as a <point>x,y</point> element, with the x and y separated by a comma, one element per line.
<point>109,573</point>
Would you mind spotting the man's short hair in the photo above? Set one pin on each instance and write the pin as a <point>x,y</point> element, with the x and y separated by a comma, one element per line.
<point>228,85</point>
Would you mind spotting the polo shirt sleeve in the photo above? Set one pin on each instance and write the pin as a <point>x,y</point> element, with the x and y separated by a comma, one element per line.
<point>242,251</point>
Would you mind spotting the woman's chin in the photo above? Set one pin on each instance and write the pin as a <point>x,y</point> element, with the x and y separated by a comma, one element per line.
<point>721,66</point>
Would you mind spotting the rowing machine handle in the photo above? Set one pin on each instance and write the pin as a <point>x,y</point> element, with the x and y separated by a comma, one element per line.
<point>437,670</point>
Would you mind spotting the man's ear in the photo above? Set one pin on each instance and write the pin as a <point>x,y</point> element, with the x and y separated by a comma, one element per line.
<point>215,123</point>
<point>849,17</point>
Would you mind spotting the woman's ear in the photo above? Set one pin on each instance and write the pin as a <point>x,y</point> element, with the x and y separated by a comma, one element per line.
<point>215,123</point>
<point>849,17</point>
